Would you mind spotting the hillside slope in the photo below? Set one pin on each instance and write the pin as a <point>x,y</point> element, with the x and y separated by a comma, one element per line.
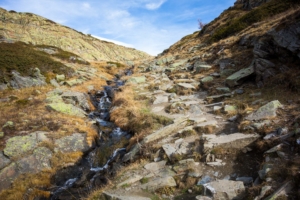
<point>31,28</point>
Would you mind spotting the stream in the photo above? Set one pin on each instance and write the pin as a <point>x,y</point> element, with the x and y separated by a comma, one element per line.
<point>101,162</point>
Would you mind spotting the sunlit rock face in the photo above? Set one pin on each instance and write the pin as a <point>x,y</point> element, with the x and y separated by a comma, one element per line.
<point>31,28</point>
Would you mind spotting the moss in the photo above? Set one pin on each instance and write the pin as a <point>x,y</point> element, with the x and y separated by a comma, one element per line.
<point>22,102</point>
<point>144,180</point>
<point>119,65</point>
<point>256,15</point>
<point>24,58</point>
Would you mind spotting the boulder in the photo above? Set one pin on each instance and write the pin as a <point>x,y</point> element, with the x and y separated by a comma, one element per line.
<point>19,81</point>
<point>207,79</point>
<point>54,83</point>
<point>60,77</point>
<point>186,85</point>
<point>134,178</point>
<point>74,82</point>
<point>178,63</point>
<point>68,109</point>
<point>72,143</point>
<point>226,188</point>
<point>267,111</point>
<point>39,160</point>
<point>223,89</point>
<point>76,98</point>
<point>237,77</point>
<point>200,67</point>
<point>20,145</point>
<point>136,80</point>
<point>235,140</point>
<point>107,195</point>
<point>158,183</point>
<point>155,166</point>
<point>228,109</point>
<point>161,133</point>
<point>288,37</point>
<point>161,99</point>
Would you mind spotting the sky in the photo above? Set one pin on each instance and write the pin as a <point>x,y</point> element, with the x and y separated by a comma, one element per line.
<point>147,25</point>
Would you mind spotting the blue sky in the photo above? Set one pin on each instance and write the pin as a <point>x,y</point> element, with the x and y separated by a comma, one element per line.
<point>147,25</point>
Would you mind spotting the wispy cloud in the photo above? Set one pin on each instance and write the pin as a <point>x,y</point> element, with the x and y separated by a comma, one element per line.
<point>155,5</point>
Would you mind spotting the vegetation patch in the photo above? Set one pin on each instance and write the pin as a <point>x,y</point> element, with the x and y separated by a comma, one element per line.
<point>256,15</point>
<point>24,58</point>
<point>119,65</point>
<point>134,116</point>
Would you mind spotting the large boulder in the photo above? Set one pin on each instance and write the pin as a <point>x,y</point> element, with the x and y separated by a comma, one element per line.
<point>267,111</point>
<point>20,145</point>
<point>238,77</point>
<point>200,67</point>
<point>68,109</point>
<point>76,98</point>
<point>19,81</point>
<point>39,160</point>
<point>72,143</point>
<point>288,37</point>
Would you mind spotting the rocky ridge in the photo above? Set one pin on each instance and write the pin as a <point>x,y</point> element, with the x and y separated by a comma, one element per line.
<point>31,28</point>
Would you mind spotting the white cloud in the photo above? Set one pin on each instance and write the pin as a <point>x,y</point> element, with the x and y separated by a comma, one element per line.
<point>155,5</point>
<point>86,5</point>
<point>113,41</point>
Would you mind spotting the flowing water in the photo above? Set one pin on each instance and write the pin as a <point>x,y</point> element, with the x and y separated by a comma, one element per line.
<point>101,162</point>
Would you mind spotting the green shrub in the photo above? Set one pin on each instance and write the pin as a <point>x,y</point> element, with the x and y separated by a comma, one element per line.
<point>119,65</point>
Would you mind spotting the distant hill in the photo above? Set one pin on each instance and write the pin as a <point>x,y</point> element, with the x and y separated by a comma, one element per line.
<point>34,29</point>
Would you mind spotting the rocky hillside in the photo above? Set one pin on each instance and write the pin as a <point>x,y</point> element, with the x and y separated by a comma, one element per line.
<point>215,116</point>
<point>31,28</point>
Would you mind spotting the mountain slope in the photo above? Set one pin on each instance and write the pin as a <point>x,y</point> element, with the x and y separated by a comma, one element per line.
<point>31,28</point>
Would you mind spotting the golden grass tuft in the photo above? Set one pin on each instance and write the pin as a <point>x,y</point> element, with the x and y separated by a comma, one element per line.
<point>134,116</point>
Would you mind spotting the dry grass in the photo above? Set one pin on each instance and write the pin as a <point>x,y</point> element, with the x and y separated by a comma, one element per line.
<point>134,116</point>
<point>30,186</point>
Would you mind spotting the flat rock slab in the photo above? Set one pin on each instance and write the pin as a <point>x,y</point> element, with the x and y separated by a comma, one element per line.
<point>158,183</point>
<point>131,180</point>
<point>186,85</point>
<point>161,99</point>
<point>167,130</point>
<point>267,111</point>
<point>72,143</point>
<point>76,98</point>
<point>157,109</point>
<point>234,79</point>
<point>19,145</point>
<point>124,196</point>
<point>232,189</point>
<point>65,108</point>
<point>235,140</point>
<point>155,166</point>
